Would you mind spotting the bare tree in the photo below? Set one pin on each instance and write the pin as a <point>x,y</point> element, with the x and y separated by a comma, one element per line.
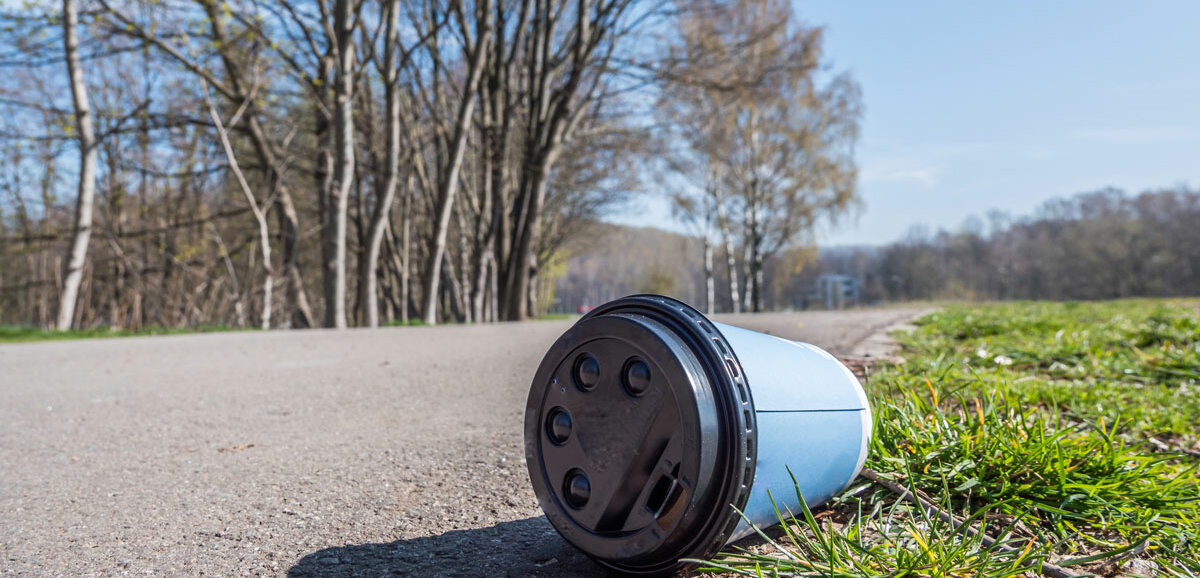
<point>390,74</point>
<point>731,268</point>
<point>744,88</point>
<point>239,88</point>
<point>82,232</point>
<point>565,72</point>
<point>344,15</point>
<point>264,234</point>
<point>448,181</point>
<point>699,79</point>
<point>697,211</point>
<point>488,113</point>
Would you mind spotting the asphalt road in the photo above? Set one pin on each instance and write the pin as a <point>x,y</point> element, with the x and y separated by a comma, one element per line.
<point>355,453</point>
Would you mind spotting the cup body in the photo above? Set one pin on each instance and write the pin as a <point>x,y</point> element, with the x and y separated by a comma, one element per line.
<point>813,420</point>
<point>653,434</point>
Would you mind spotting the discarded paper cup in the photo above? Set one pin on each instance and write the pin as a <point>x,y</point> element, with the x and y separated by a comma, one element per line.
<point>649,427</point>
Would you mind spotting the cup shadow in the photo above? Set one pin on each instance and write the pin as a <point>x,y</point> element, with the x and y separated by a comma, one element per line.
<point>529,547</point>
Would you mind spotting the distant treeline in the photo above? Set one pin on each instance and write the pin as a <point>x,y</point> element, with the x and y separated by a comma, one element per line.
<point>1100,245</point>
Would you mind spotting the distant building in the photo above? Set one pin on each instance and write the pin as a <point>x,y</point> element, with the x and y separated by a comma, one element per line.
<point>836,291</point>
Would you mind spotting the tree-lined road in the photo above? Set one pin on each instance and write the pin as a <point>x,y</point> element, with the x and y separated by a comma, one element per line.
<point>364,452</point>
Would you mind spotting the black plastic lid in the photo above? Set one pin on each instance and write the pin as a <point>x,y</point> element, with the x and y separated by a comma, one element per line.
<point>639,435</point>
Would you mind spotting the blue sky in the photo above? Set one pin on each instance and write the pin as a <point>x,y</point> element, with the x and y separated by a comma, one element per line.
<point>972,106</point>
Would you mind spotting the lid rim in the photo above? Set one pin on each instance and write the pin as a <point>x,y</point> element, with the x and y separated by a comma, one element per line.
<point>653,454</point>
<point>735,408</point>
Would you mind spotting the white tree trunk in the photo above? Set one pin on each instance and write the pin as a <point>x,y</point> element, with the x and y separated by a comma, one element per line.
<point>369,296</point>
<point>449,182</point>
<point>747,271</point>
<point>406,250</point>
<point>264,232</point>
<point>754,263</point>
<point>343,142</point>
<point>730,259</point>
<point>710,287</point>
<point>82,232</point>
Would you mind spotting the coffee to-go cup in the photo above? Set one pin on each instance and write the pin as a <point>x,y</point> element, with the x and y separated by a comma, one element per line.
<point>649,428</point>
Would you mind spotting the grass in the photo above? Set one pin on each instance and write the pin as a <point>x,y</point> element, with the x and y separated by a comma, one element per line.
<point>416,322</point>
<point>558,317</point>
<point>1068,432</point>
<point>412,322</point>
<point>19,334</point>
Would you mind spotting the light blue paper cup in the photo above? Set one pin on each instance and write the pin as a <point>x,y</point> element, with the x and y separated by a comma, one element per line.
<point>813,421</point>
<point>650,430</point>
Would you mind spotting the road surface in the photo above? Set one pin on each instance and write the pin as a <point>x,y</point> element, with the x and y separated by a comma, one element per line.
<point>317,453</point>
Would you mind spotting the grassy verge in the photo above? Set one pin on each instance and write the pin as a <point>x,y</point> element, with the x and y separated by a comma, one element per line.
<point>19,334</point>
<point>410,323</point>
<point>558,317</point>
<point>1068,433</point>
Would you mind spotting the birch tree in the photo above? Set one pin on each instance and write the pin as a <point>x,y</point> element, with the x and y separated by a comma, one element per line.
<point>487,180</point>
<point>745,94</point>
<point>474,51</point>
<point>264,234</point>
<point>565,70</point>
<point>82,232</point>
<point>344,14</point>
<point>239,88</point>
<point>390,75</point>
